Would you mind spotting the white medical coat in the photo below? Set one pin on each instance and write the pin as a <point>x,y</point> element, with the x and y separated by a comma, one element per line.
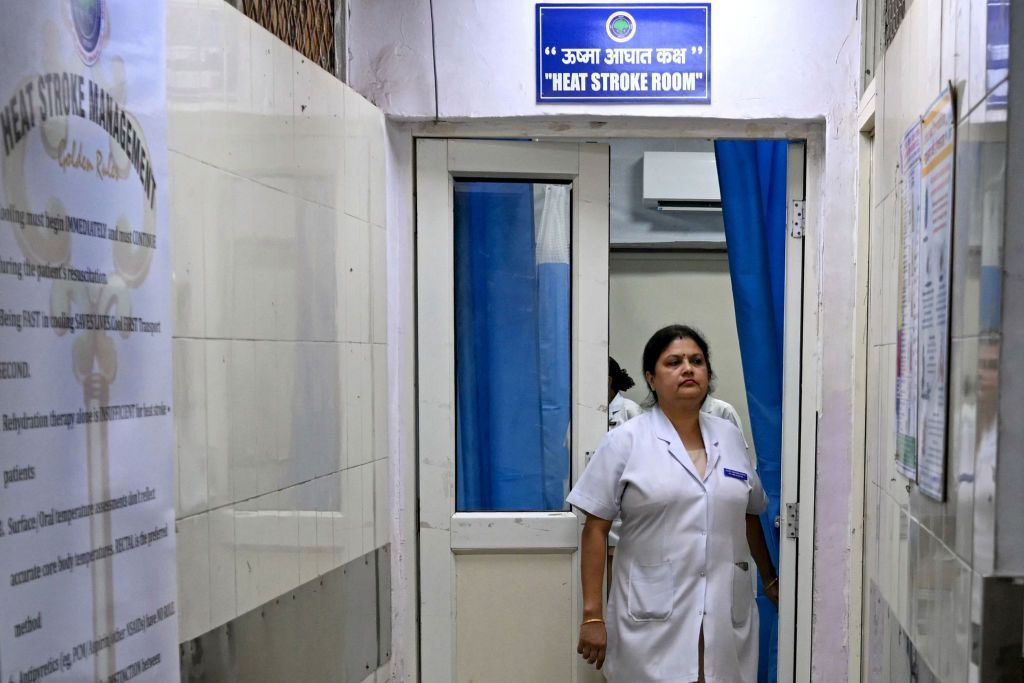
<point>682,557</point>
<point>621,410</point>
<point>720,408</point>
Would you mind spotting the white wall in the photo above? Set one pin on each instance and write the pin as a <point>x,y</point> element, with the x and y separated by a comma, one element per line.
<point>777,67</point>
<point>648,290</point>
<point>280,330</point>
<point>925,562</point>
<point>770,61</point>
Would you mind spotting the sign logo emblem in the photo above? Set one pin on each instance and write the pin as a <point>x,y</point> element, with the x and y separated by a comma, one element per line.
<point>621,26</point>
<point>89,21</point>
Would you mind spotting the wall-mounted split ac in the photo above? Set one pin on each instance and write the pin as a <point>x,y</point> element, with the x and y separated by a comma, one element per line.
<point>681,181</point>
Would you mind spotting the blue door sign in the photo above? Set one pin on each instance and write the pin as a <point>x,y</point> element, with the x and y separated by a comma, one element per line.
<point>629,53</point>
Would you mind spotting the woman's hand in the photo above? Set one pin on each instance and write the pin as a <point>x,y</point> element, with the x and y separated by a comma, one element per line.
<point>593,557</point>
<point>593,643</point>
<point>762,558</point>
<point>771,592</point>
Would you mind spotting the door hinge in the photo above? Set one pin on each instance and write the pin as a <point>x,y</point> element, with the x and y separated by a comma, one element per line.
<point>796,217</point>
<point>792,520</point>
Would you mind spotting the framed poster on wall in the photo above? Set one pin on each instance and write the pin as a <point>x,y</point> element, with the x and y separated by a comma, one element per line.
<point>923,319</point>
<point>935,251</point>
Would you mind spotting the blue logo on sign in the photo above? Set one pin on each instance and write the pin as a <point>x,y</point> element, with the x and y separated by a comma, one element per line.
<point>89,20</point>
<point>621,26</point>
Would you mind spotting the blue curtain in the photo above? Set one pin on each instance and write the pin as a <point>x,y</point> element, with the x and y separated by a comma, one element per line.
<point>512,355</point>
<point>752,178</point>
<point>554,338</point>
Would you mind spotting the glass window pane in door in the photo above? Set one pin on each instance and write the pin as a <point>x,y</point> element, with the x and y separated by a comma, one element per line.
<point>512,345</point>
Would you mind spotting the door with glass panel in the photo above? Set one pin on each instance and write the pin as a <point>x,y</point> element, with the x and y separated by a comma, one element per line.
<point>512,344</point>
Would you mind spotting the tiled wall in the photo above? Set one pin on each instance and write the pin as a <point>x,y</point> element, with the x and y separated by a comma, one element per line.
<point>280,376</point>
<point>926,563</point>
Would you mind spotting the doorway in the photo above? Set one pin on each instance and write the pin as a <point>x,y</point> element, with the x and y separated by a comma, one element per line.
<point>676,254</point>
<point>476,560</point>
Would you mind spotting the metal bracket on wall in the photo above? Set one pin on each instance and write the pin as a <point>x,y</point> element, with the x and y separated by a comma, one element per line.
<point>792,520</point>
<point>796,217</point>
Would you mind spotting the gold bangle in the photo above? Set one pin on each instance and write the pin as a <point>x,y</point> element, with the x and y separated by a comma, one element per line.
<point>595,620</point>
<point>771,583</point>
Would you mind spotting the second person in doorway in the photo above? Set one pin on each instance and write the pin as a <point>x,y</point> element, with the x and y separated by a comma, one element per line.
<point>620,408</point>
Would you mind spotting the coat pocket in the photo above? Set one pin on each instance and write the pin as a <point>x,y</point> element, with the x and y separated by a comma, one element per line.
<point>650,591</point>
<point>742,594</point>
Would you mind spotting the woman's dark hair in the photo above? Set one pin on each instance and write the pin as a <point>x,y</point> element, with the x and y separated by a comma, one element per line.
<point>660,341</point>
<point>621,381</point>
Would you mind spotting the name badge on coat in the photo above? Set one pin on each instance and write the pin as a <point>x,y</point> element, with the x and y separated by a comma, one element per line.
<point>735,474</point>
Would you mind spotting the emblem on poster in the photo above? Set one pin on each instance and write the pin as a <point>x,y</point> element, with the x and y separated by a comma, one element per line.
<point>88,20</point>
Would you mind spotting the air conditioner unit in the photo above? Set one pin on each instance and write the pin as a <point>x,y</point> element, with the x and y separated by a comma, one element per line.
<point>681,181</point>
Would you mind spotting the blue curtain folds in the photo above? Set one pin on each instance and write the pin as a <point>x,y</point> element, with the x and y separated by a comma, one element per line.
<point>512,353</point>
<point>554,332</point>
<point>752,179</point>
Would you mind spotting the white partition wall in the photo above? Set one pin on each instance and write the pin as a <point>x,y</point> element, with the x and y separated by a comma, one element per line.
<point>280,334</point>
<point>936,579</point>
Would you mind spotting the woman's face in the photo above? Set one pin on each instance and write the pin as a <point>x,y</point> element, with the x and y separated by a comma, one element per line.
<point>681,373</point>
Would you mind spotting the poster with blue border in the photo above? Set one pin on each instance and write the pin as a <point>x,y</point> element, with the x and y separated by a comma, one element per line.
<point>632,53</point>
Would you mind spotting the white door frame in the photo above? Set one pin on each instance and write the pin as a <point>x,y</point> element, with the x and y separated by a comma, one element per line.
<point>443,531</point>
<point>792,563</point>
<point>808,384</point>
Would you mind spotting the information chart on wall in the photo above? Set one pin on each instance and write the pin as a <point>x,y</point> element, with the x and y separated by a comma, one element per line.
<point>911,216</point>
<point>934,270</point>
<point>87,562</point>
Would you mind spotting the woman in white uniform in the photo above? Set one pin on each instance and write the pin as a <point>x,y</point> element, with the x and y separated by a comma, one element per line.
<point>620,408</point>
<point>681,605</point>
